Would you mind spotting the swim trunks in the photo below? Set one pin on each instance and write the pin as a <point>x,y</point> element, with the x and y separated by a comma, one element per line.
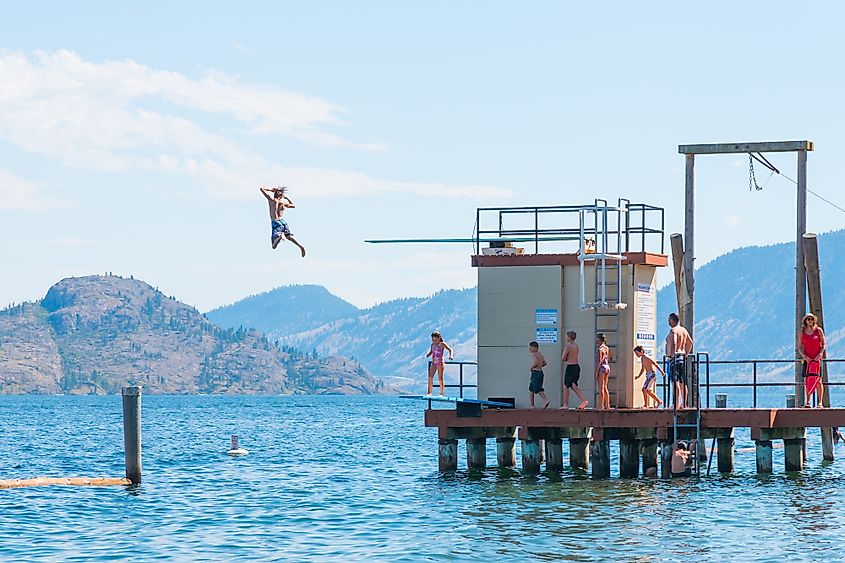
<point>677,369</point>
<point>649,377</point>
<point>279,227</point>
<point>571,375</point>
<point>536,384</point>
<point>687,473</point>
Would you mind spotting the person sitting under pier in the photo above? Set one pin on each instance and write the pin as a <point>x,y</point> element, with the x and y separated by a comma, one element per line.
<point>681,460</point>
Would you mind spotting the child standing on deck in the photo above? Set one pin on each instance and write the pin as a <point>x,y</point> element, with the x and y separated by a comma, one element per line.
<point>648,368</point>
<point>602,370</point>
<point>573,371</point>
<point>436,363</point>
<point>535,386</point>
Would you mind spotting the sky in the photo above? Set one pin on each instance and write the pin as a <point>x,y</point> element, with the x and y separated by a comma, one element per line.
<point>134,138</point>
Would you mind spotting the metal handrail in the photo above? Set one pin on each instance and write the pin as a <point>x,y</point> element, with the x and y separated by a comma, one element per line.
<point>754,384</point>
<point>460,385</point>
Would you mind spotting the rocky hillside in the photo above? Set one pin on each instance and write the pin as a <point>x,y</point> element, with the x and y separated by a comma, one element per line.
<point>390,339</point>
<point>96,334</point>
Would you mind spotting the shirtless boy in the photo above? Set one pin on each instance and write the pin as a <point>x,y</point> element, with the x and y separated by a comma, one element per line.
<point>648,368</point>
<point>573,371</point>
<point>535,386</point>
<point>278,203</point>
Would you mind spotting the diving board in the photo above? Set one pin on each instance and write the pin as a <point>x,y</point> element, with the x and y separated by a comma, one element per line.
<point>442,399</point>
<point>473,240</point>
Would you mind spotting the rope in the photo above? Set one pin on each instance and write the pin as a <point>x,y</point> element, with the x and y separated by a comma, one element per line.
<point>824,199</point>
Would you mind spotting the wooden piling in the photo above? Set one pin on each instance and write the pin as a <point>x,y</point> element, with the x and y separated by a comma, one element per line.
<point>648,450</point>
<point>629,459</point>
<point>477,453</point>
<point>447,454</point>
<point>665,459</point>
<point>793,454</point>
<point>600,459</point>
<point>132,432</point>
<point>506,452</point>
<point>531,456</point>
<point>579,453</point>
<point>764,456</point>
<point>689,245</point>
<point>554,454</point>
<point>725,455</point>
<point>814,291</point>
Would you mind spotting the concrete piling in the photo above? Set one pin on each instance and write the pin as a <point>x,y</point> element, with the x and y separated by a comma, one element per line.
<point>132,432</point>
<point>447,454</point>
<point>629,459</point>
<point>725,455</point>
<point>554,454</point>
<point>600,459</point>
<point>579,453</point>
<point>506,452</point>
<point>648,451</point>
<point>477,453</point>
<point>793,454</point>
<point>665,460</point>
<point>764,456</point>
<point>531,456</point>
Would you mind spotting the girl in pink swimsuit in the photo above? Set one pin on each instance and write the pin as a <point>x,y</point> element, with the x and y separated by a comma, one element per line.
<point>436,363</point>
<point>603,371</point>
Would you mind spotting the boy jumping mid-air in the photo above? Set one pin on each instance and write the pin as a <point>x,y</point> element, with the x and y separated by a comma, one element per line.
<point>278,203</point>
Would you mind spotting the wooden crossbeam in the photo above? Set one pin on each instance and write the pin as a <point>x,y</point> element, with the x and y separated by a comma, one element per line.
<point>734,148</point>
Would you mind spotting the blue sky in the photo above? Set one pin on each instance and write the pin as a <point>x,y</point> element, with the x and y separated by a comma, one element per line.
<point>133,138</point>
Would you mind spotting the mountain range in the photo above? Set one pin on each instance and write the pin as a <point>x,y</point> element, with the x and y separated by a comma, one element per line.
<point>96,334</point>
<point>744,310</point>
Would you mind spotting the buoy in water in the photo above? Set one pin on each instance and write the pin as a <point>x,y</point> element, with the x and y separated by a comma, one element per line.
<point>235,449</point>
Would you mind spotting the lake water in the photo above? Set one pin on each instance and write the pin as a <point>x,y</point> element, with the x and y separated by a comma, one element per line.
<point>353,478</point>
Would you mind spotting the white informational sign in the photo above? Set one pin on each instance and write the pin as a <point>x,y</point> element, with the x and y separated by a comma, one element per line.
<point>546,317</point>
<point>546,335</point>
<point>646,329</point>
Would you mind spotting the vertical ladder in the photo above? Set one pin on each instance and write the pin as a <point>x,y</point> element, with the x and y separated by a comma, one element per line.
<point>682,420</point>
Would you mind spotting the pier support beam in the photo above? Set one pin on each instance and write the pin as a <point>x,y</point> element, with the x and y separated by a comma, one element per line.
<point>447,454</point>
<point>132,432</point>
<point>506,452</point>
<point>476,453</point>
<point>793,454</point>
<point>648,450</point>
<point>600,459</point>
<point>579,453</point>
<point>764,456</point>
<point>665,460</point>
<point>725,455</point>
<point>629,459</point>
<point>532,456</point>
<point>554,454</point>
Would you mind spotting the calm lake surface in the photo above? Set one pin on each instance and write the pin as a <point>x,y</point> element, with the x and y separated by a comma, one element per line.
<point>353,478</point>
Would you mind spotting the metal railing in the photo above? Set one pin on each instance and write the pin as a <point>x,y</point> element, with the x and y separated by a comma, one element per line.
<point>460,386</point>
<point>694,367</point>
<point>563,215</point>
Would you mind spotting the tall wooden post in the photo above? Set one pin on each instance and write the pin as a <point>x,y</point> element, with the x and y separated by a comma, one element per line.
<point>689,244</point>
<point>677,243</point>
<point>800,274</point>
<point>132,432</point>
<point>814,290</point>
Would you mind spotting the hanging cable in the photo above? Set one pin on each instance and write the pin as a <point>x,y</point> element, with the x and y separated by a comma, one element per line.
<point>752,178</point>
<point>815,194</point>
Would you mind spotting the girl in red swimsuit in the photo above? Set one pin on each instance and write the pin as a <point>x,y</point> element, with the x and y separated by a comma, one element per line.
<point>436,363</point>
<point>811,347</point>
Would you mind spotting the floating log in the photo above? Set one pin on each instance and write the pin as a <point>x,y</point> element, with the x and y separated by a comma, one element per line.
<point>73,481</point>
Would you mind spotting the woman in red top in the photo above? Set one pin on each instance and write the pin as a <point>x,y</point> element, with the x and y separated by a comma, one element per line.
<point>811,347</point>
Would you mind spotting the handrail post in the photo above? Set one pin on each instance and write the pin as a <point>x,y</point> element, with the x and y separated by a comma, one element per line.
<point>461,379</point>
<point>754,381</point>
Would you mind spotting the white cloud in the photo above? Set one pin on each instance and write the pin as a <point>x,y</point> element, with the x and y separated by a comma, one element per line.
<point>108,117</point>
<point>731,220</point>
<point>20,194</point>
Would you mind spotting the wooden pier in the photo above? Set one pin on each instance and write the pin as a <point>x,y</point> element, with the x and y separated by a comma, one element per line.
<point>644,435</point>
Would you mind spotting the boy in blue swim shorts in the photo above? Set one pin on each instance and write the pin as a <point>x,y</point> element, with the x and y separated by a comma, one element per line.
<point>279,201</point>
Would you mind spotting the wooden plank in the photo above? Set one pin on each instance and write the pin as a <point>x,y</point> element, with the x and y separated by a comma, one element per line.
<point>733,148</point>
<point>74,481</point>
<point>800,270</point>
<point>689,246</point>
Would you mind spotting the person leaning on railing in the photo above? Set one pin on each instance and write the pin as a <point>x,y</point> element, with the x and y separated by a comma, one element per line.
<point>811,348</point>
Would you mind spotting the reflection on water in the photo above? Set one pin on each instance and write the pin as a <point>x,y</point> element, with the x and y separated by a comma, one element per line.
<point>355,478</point>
